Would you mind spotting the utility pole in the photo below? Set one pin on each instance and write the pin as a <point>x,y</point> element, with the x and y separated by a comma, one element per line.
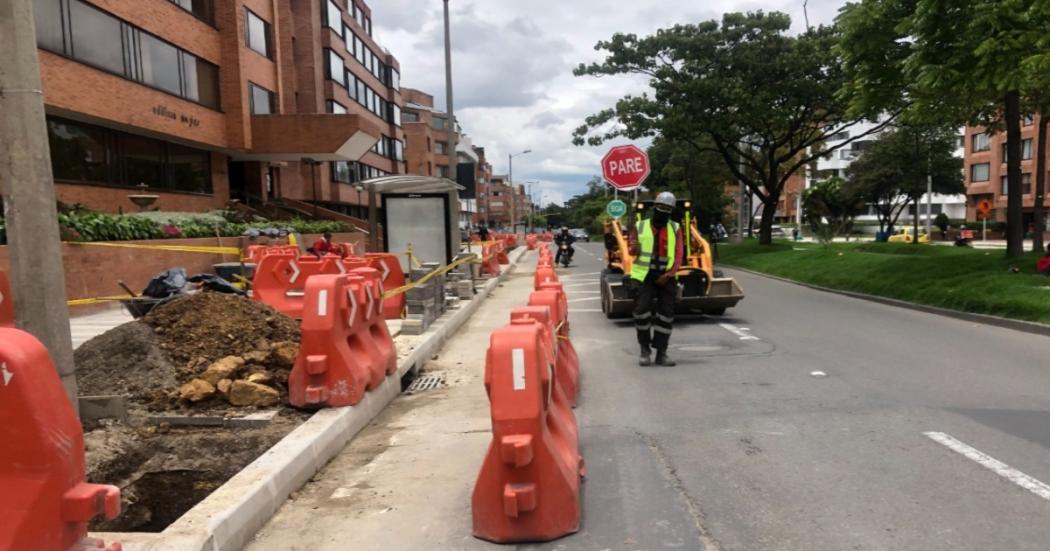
<point>929,195</point>
<point>453,134</point>
<point>37,278</point>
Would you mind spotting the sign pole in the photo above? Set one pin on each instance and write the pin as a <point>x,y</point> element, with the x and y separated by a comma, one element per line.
<point>984,228</point>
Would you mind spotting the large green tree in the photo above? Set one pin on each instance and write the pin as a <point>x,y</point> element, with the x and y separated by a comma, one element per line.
<point>700,177</point>
<point>830,206</point>
<point>948,61</point>
<point>743,88</point>
<point>892,171</point>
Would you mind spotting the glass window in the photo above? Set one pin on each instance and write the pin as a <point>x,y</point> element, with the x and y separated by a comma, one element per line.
<point>335,107</point>
<point>368,26</point>
<point>47,14</point>
<point>200,80</point>
<point>1026,150</point>
<point>399,150</point>
<point>96,38</point>
<point>1026,184</point>
<point>980,172</point>
<point>347,37</point>
<point>438,123</point>
<point>142,160</point>
<point>1028,120</point>
<point>351,85</point>
<point>982,142</point>
<point>359,50</point>
<point>258,34</point>
<point>81,152</point>
<point>395,113</point>
<point>336,68</point>
<point>341,172</point>
<point>362,92</point>
<point>334,17</point>
<point>441,148</point>
<point>160,63</point>
<point>201,9</point>
<point>262,100</point>
<point>395,79</point>
<point>409,116</point>
<point>188,169</point>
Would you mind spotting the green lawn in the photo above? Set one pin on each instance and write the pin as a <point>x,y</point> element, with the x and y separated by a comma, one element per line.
<point>965,279</point>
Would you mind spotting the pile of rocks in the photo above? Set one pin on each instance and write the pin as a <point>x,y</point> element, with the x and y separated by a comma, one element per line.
<point>255,379</point>
<point>425,302</point>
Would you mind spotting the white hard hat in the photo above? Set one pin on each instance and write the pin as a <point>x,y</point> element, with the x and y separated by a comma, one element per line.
<point>666,199</point>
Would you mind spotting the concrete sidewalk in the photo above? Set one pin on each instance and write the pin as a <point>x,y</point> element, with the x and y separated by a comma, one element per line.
<point>405,482</point>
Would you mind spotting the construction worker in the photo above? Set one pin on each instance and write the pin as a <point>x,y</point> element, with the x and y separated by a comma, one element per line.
<point>658,247</point>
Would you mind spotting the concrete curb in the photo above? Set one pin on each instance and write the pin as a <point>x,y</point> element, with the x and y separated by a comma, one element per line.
<point>228,518</point>
<point>1006,323</point>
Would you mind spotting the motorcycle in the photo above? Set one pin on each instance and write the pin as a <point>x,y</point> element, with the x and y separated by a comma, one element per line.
<point>565,254</point>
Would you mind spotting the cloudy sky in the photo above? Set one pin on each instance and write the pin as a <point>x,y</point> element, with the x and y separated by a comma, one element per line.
<point>512,69</point>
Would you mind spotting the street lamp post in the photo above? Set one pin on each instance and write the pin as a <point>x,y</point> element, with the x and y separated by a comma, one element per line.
<point>359,189</point>
<point>513,192</point>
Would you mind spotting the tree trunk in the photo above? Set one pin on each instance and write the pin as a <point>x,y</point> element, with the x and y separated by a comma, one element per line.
<point>1014,213</point>
<point>1040,184</point>
<point>915,221</point>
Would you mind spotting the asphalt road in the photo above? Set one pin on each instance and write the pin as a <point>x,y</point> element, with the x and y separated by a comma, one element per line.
<point>804,420</point>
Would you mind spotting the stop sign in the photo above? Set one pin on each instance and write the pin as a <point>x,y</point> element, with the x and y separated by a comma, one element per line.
<point>625,167</point>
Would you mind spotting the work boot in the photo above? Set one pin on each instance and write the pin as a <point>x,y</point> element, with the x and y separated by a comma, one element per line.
<point>663,360</point>
<point>644,359</point>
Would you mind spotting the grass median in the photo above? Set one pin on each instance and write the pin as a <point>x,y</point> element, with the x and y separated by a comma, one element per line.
<point>969,280</point>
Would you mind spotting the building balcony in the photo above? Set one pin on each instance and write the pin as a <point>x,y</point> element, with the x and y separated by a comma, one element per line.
<point>318,137</point>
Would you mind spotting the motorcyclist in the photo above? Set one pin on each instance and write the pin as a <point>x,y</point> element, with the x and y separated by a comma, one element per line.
<point>564,238</point>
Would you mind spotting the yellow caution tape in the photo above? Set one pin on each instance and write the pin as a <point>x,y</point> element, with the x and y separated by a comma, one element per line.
<point>170,248</point>
<point>96,300</point>
<point>428,277</point>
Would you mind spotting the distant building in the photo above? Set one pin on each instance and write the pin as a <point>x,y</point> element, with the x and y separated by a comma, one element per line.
<point>203,102</point>
<point>985,166</point>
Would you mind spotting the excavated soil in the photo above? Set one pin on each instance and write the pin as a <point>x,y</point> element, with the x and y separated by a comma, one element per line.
<point>163,471</point>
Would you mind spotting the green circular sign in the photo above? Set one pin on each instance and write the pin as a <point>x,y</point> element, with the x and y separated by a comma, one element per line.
<point>616,208</point>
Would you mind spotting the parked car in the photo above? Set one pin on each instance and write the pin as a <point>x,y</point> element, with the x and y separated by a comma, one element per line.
<point>580,234</point>
<point>905,236</point>
<point>778,231</point>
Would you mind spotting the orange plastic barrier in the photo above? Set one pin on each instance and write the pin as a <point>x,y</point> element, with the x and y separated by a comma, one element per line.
<point>530,241</point>
<point>7,302</point>
<point>544,274</point>
<point>552,296</point>
<point>255,253</point>
<point>281,277</point>
<point>501,254</point>
<point>562,403</point>
<point>393,278</point>
<point>489,261</point>
<point>346,348</point>
<point>528,488</point>
<point>46,503</point>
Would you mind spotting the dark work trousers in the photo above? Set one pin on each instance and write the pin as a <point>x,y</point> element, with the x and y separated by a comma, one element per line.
<point>654,312</point>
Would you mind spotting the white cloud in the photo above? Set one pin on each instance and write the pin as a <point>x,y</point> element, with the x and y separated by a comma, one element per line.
<point>513,61</point>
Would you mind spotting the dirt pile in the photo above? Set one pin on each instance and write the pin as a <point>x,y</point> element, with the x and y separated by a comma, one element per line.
<point>204,351</point>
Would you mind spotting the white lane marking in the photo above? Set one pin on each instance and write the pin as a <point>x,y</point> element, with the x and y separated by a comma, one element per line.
<point>998,467</point>
<point>572,276</point>
<point>585,310</point>
<point>741,332</point>
<point>584,299</point>
<point>817,374</point>
<point>518,365</point>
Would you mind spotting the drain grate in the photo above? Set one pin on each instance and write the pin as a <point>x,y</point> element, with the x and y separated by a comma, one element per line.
<point>425,383</point>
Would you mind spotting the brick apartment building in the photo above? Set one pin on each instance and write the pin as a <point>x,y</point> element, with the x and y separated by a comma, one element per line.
<point>500,204</point>
<point>426,135</point>
<point>204,101</point>
<point>985,166</point>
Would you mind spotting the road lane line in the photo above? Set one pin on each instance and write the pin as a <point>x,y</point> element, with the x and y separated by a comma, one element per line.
<point>584,299</point>
<point>998,467</point>
<point>741,332</point>
<point>584,310</point>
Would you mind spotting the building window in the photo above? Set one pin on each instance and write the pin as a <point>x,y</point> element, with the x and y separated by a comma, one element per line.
<point>982,142</point>
<point>263,101</point>
<point>980,172</point>
<point>335,107</point>
<point>399,150</point>
<point>838,136</point>
<point>341,172</point>
<point>160,63</point>
<point>393,79</point>
<point>201,9</point>
<point>334,17</point>
<point>1028,120</point>
<point>442,148</point>
<point>335,67</point>
<point>92,154</point>
<point>409,116</point>
<point>438,123</point>
<point>100,40</point>
<point>1026,184</point>
<point>258,35</point>
<point>443,171</point>
<point>95,38</point>
<point>395,114</point>
<point>1026,150</point>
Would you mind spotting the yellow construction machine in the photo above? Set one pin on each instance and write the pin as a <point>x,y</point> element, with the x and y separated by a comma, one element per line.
<point>702,289</point>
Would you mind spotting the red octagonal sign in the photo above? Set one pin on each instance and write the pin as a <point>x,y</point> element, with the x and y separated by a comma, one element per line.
<point>625,167</point>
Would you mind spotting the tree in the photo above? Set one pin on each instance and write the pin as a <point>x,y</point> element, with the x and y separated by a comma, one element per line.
<point>744,89</point>
<point>947,61</point>
<point>702,177</point>
<point>942,222</point>
<point>892,171</point>
<point>830,207</point>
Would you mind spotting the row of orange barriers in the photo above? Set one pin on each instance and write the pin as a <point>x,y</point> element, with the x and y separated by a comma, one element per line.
<point>281,276</point>
<point>346,348</point>
<point>46,502</point>
<point>528,488</point>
